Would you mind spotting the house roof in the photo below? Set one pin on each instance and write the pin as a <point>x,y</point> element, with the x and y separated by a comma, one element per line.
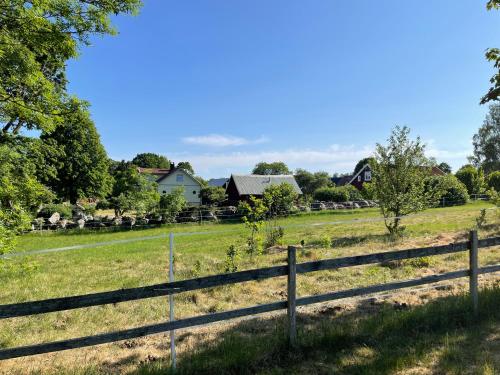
<point>155,171</point>
<point>217,182</point>
<point>172,170</point>
<point>256,184</point>
<point>341,181</point>
<point>359,172</point>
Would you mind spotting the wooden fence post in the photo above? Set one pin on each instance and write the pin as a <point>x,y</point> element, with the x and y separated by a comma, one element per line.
<point>292,295</point>
<point>473,270</point>
<point>171,299</point>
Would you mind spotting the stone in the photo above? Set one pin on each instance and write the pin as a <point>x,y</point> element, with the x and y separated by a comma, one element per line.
<point>62,223</point>
<point>54,218</point>
<point>80,223</point>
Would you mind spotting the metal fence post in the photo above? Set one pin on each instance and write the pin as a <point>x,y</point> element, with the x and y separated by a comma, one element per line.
<point>171,299</point>
<point>292,295</point>
<point>473,270</point>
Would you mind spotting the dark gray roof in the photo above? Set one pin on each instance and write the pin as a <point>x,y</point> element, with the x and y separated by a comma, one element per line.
<point>217,181</point>
<point>256,184</point>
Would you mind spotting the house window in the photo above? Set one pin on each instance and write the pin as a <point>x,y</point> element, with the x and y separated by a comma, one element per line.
<point>164,192</point>
<point>368,175</point>
<point>180,178</point>
<point>194,192</point>
<point>359,178</point>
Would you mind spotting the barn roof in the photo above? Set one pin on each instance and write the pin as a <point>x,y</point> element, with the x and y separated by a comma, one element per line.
<point>256,184</point>
<point>217,182</point>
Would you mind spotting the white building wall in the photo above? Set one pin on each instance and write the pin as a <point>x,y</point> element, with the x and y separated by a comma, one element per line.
<point>179,178</point>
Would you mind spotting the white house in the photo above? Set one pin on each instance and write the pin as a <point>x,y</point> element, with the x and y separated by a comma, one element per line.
<point>169,179</point>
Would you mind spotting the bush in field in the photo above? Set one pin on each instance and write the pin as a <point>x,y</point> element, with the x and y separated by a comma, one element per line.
<point>494,181</point>
<point>274,236</point>
<point>232,259</point>
<point>253,214</point>
<point>172,204</point>
<point>63,209</point>
<point>354,193</point>
<point>279,199</point>
<point>338,194</point>
<point>368,191</point>
<point>213,195</point>
<point>447,188</point>
<point>472,178</point>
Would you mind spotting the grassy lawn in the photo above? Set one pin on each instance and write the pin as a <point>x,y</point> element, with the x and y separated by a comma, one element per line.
<point>144,262</point>
<point>440,337</point>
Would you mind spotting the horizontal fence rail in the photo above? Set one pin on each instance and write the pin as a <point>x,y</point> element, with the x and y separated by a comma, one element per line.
<point>67,303</point>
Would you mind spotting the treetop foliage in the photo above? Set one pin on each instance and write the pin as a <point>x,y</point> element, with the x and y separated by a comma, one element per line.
<point>493,55</point>
<point>369,160</point>
<point>274,168</point>
<point>36,40</point>
<point>151,160</point>
<point>487,142</point>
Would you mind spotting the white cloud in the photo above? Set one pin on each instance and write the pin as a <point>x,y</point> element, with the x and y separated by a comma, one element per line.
<point>218,140</point>
<point>336,158</point>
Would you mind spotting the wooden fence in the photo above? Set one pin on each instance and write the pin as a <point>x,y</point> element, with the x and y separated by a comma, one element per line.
<point>290,270</point>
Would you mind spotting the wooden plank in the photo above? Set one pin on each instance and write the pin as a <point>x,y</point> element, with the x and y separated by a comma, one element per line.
<point>380,288</point>
<point>292,296</point>
<point>488,242</point>
<point>94,299</point>
<point>123,295</point>
<point>138,332</point>
<point>473,271</point>
<point>380,257</point>
<point>488,269</point>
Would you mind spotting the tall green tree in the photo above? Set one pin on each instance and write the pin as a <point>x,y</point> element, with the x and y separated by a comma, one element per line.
<point>310,182</point>
<point>472,178</point>
<point>494,181</point>
<point>445,167</point>
<point>21,195</point>
<point>399,177</point>
<point>186,166</point>
<point>37,38</point>
<point>151,160</point>
<point>82,166</point>
<point>369,160</point>
<point>487,142</point>
<point>132,191</point>
<point>273,168</point>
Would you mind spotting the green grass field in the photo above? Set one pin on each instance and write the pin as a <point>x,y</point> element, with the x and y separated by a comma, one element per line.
<point>144,262</point>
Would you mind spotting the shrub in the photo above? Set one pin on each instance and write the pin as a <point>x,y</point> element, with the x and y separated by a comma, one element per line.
<point>446,188</point>
<point>63,209</point>
<point>274,236</point>
<point>232,258</point>
<point>494,181</point>
<point>338,194</point>
<point>103,204</point>
<point>325,241</point>
<point>280,199</point>
<point>172,204</point>
<point>213,195</point>
<point>472,178</point>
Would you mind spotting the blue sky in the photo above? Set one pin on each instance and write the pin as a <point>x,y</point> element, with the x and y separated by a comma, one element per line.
<point>225,84</point>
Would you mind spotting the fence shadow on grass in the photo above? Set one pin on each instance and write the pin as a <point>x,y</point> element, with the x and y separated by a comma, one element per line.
<point>442,334</point>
